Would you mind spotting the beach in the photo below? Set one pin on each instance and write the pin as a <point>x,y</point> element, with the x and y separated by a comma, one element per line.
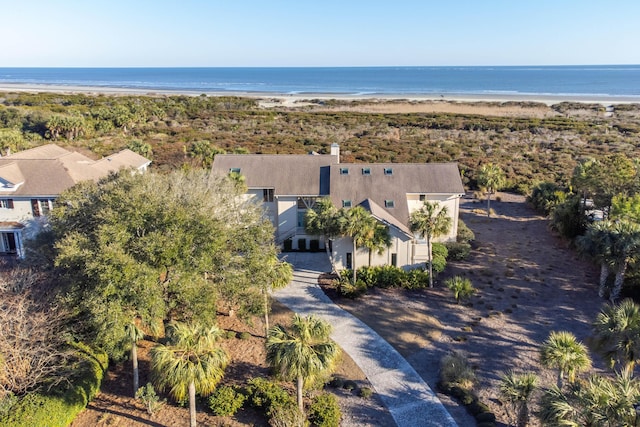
<point>286,99</point>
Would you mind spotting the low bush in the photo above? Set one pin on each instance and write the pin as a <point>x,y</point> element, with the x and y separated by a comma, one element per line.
<point>267,395</point>
<point>458,251</point>
<point>336,382</point>
<point>365,392</point>
<point>229,334</point>
<point>440,254</point>
<point>61,405</point>
<point>460,287</point>
<point>456,370</point>
<point>244,335</point>
<point>287,415</point>
<point>349,385</point>
<point>325,411</point>
<point>465,235</point>
<point>151,400</point>
<point>417,279</point>
<point>225,401</point>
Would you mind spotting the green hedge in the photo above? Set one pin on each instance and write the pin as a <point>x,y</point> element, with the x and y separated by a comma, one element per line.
<point>60,406</point>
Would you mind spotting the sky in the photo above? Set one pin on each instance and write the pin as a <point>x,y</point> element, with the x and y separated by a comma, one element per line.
<point>292,33</point>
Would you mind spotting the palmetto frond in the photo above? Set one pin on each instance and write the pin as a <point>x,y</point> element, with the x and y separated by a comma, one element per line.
<point>564,352</point>
<point>192,356</point>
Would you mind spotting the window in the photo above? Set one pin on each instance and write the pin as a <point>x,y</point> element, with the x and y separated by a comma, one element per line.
<point>349,261</point>
<point>388,171</point>
<point>344,171</point>
<point>300,219</point>
<point>41,207</point>
<point>267,195</point>
<point>346,203</point>
<point>389,204</point>
<point>366,171</point>
<point>394,260</point>
<point>423,197</point>
<point>6,203</point>
<point>234,170</point>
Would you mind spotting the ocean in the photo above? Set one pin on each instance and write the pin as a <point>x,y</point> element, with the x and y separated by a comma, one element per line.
<point>575,81</point>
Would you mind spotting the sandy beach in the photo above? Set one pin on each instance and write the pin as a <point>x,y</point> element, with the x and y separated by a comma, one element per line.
<point>285,99</point>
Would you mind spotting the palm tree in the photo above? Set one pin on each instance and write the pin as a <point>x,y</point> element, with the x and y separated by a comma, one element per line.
<point>381,240</point>
<point>279,274</point>
<point>134,334</point>
<point>430,222</point>
<point>323,220</point>
<point>461,287</point>
<point>565,353</point>
<point>626,250</point>
<point>597,243</point>
<point>358,224</point>
<point>191,362</point>
<point>517,390</point>
<point>491,178</point>
<point>616,333</point>
<point>303,351</point>
<point>598,401</point>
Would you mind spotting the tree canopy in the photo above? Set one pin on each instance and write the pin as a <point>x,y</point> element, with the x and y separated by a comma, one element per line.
<point>158,248</point>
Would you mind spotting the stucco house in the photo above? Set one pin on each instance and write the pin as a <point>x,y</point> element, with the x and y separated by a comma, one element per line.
<point>32,180</point>
<point>288,185</point>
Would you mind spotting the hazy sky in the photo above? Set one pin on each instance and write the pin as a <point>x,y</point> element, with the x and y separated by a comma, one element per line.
<point>218,33</point>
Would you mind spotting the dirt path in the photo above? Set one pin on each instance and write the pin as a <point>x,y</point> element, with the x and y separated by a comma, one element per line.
<point>529,283</point>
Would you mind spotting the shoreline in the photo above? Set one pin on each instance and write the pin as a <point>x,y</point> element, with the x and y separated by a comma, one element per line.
<point>286,98</point>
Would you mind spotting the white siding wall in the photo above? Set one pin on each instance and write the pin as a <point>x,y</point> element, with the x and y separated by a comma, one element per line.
<point>287,216</point>
<point>451,202</point>
<point>21,211</point>
<point>400,245</point>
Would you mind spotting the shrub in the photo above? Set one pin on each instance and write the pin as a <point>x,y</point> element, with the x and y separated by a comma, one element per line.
<point>60,406</point>
<point>324,411</point>
<point>465,235</point>
<point>417,279</point>
<point>458,251</point>
<point>287,415</point>
<point>150,399</point>
<point>346,288</point>
<point>225,401</point>
<point>461,287</point>
<point>440,253</point>
<point>365,392</point>
<point>349,385</point>
<point>229,334</point>
<point>244,335</point>
<point>456,370</point>
<point>336,382</point>
<point>267,395</point>
<point>546,196</point>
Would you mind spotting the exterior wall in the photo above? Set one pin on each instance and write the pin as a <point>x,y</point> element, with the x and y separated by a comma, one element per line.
<point>21,211</point>
<point>452,204</point>
<point>287,218</point>
<point>400,245</point>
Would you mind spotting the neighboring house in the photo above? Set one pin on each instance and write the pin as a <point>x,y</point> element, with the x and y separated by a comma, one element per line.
<point>32,180</point>
<point>288,186</point>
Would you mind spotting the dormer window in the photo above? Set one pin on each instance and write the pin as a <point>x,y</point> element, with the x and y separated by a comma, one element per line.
<point>234,170</point>
<point>346,203</point>
<point>389,204</point>
<point>388,171</point>
<point>344,171</point>
<point>366,171</point>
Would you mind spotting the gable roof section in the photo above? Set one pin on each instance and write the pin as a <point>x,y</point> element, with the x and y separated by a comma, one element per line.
<point>49,169</point>
<point>406,178</point>
<point>382,215</point>
<point>288,175</point>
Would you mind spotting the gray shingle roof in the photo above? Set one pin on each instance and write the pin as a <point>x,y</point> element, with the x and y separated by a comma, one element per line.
<point>313,175</point>
<point>49,169</point>
<point>294,174</point>
<point>405,178</point>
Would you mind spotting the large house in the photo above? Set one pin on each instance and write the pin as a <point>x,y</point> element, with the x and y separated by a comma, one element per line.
<point>288,185</point>
<point>32,180</point>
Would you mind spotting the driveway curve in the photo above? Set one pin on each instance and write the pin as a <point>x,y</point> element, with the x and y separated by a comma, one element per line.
<point>408,398</point>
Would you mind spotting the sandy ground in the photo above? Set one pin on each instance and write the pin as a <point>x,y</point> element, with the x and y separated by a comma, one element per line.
<point>529,284</point>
